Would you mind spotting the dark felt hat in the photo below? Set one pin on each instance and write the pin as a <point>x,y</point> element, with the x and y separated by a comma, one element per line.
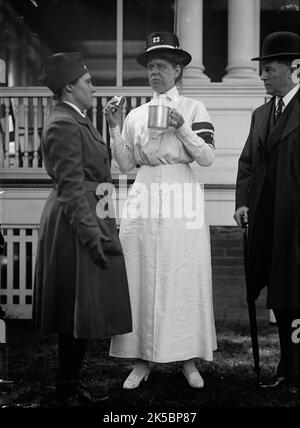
<point>281,44</point>
<point>163,42</point>
<point>62,68</point>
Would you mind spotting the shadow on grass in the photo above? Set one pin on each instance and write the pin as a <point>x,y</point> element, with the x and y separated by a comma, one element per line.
<point>229,379</point>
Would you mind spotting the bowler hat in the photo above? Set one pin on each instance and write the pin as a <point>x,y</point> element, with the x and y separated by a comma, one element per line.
<point>163,42</point>
<point>280,44</point>
<point>62,68</point>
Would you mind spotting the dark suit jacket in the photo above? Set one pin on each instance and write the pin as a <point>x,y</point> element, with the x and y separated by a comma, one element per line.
<point>273,155</point>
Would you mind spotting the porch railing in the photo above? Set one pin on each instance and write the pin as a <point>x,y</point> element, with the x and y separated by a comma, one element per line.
<point>17,270</point>
<point>23,112</point>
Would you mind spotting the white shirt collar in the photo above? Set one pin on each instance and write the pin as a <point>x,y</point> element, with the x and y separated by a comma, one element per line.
<point>75,107</point>
<point>172,94</point>
<point>287,98</point>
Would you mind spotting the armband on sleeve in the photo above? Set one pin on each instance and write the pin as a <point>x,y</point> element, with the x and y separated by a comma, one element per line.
<point>206,131</point>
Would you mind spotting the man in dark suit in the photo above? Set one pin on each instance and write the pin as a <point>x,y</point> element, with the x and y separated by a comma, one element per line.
<point>268,198</point>
<point>81,287</point>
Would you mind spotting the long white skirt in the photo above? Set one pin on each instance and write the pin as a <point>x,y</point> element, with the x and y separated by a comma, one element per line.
<point>166,245</point>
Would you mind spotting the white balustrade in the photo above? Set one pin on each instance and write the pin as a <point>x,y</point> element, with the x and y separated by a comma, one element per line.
<point>23,112</point>
<point>17,270</point>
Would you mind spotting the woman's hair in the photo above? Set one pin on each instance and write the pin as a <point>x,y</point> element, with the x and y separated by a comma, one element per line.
<point>59,94</point>
<point>173,59</point>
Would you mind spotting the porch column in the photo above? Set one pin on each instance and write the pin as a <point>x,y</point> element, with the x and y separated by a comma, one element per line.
<point>189,29</point>
<point>2,71</point>
<point>243,36</point>
<point>256,46</point>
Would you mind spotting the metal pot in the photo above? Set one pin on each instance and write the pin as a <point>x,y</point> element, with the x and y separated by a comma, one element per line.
<point>158,117</point>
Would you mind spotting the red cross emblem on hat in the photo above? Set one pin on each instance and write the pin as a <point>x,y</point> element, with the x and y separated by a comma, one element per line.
<point>156,39</point>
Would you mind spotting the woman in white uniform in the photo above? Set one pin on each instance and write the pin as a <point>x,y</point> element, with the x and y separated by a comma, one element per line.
<point>163,231</point>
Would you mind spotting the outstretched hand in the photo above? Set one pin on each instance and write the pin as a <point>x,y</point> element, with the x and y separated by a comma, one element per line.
<point>113,113</point>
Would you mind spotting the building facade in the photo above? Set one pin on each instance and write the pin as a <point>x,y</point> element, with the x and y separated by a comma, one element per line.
<point>221,35</point>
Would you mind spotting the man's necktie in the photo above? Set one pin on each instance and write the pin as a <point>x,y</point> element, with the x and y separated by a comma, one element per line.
<point>278,110</point>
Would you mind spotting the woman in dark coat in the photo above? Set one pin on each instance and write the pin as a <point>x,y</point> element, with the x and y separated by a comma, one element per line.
<point>81,287</point>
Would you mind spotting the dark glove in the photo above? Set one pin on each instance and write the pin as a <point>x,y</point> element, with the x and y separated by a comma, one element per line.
<point>96,250</point>
<point>113,248</point>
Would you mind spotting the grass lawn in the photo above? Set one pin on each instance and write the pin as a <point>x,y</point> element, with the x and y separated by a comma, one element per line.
<point>229,379</point>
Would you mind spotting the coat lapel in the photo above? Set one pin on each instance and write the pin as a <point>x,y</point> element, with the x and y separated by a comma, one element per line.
<point>93,130</point>
<point>82,120</point>
<point>288,122</point>
<point>294,117</point>
<point>264,121</point>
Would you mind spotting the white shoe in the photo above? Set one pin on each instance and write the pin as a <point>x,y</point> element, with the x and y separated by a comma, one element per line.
<point>133,380</point>
<point>194,378</point>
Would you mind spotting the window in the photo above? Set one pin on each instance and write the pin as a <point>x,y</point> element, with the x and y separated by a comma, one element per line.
<point>279,15</point>
<point>141,18</point>
<point>109,33</point>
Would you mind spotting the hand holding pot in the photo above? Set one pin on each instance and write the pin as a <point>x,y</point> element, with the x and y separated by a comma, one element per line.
<point>175,118</point>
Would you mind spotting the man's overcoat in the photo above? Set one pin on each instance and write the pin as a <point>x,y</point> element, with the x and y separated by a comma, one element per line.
<point>273,153</point>
<point>72,294</point>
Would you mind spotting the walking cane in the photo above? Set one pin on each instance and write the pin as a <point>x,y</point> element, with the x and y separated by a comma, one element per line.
<point>251,308</point>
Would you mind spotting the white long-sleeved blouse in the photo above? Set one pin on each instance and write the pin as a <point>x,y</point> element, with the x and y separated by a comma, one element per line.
<point>139,145</point>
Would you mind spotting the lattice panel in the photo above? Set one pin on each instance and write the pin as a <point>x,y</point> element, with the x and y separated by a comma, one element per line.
<point>17,271</point>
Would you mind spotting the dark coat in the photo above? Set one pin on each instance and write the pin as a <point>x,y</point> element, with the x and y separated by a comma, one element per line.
<point>273,156</point>
<point>72,294</point>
